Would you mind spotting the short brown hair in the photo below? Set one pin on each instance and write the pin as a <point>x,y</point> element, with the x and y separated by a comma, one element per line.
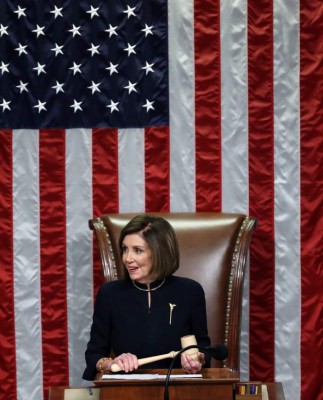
<point>162,242</point>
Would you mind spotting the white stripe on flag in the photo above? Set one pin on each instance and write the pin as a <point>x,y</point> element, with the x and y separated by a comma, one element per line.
<point>27,265</point>
<point>234,132</point>
<point>181,98</point>
<point>78,247</point>
<point>131,156</point>
<point>287,196</point>
<point>234,106</point>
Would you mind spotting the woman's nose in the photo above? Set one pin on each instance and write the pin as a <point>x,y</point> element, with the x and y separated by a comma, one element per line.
<point>129,256</point>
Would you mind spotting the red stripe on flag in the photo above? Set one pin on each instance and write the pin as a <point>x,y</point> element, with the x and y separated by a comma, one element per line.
<point>261,189</point>
<point>8,378</point>
<point>105,185</point>
<point>53,257</point>
<point>311,110</point>
<point>157,169</point>
<point>207,105</point>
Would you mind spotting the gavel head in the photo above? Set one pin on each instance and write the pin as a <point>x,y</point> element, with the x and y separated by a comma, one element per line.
<point>190,340</point>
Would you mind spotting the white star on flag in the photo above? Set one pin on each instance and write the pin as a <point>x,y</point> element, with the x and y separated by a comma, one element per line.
<point>75,68</point>
<point>5,105</point>
<point>20,12</point>
<point>93,11</point>
<point>130,11</point>
<point>4,68</point>
<point>93,49</point>
<point>39,30</point>
<point>147,30</point>
<point>40,106</point>
<point>131,87</point>
<point>58,87</point>
<point>57,49</point>
<point>130,49</point>
<point>21,49</point>
<point>76,105</point>
<point>112,30</point>
<point>75,30</point>
<point>94,87</point>
<point>57,12</point>
<point>148,67</point>
<point>40,68</point>
<point>112,68</point>
<point>22,86</point>
<point>148,105</point>
<point>113,106</point>
<point>3,30</point>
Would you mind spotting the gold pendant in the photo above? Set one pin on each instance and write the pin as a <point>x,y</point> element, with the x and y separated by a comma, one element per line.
<point>171,308</point>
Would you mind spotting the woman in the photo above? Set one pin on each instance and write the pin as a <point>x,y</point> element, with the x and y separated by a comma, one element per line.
<point>146,313</point>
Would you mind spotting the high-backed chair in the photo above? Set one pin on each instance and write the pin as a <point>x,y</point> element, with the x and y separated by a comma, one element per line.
<point>213,250</point>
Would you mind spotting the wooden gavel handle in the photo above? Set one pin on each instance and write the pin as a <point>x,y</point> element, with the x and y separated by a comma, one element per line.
<point>142,361</point>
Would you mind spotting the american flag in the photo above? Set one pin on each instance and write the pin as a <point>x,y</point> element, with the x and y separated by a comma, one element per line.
<point>235,125</point>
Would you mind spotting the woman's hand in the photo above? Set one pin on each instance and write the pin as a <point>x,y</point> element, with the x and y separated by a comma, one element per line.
<point>126,361</point>
<point>189,365</point>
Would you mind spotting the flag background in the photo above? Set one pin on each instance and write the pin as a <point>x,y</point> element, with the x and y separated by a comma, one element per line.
<point>245,135</point>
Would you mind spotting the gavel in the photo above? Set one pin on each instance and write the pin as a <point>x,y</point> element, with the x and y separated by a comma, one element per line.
<point>188,340</point>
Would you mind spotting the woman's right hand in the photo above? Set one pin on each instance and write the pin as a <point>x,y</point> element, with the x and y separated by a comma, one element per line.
<point>126,361</point>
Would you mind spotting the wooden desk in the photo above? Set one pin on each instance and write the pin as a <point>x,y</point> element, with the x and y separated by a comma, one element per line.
<point>216,384</point>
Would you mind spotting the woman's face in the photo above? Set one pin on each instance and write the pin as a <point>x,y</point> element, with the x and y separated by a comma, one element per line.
<point>137,257</point>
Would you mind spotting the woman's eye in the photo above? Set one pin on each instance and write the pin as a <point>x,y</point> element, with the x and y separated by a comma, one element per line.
<point>124,249</point>
<point>138,251</point>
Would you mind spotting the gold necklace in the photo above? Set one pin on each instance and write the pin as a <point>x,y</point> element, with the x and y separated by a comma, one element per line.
<point>148,290</point>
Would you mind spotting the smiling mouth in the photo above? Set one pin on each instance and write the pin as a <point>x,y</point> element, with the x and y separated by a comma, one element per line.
<point>132,269</point>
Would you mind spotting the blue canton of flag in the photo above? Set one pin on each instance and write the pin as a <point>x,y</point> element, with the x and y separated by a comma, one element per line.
<point>89,64</point>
